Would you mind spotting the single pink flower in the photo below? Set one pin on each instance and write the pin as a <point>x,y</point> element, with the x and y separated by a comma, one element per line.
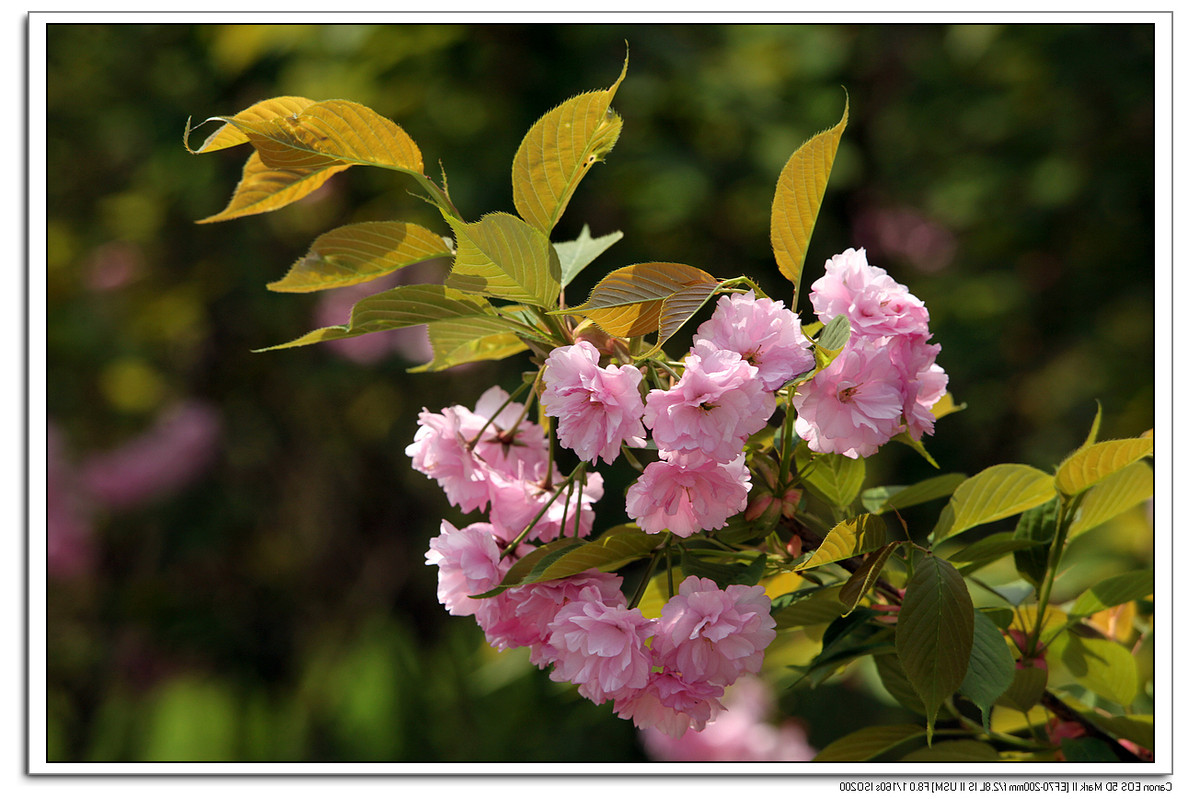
<point>601,648</point>
<point>517,502</point>
<point>671,705</point>
<point>521,616</point>
<point>740,734</point>
<point>507,447</point>
<point>597,409</point>
<point>714,408</point>
<point>764,332</point>
<point>468,562</point>
<point>875,304</point>
<point>855,405</point>
<point>714,635</point>
<point>687,493</point>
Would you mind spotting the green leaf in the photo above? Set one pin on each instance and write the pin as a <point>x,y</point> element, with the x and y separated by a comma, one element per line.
<point>724,574</point>
<point>995,493</point>
<point>1124,489</point>
<point>1102,666</point>
<point>609,552</point>
<point>559,150</point>
<point>501,256</point>
<point>836,478</point>
<point>798,195</point>
<point>835,334</point>
<point>1137,729</point>
<point>868,743</point>
<point>458,341</point>
<point>845,640</point>
<point>1114,591</point>
<point>360,252</point>
<point>329,133</point>
<point>989,549</point>
<point>991,668</point>
<point>1037,525</point>
<point>263,188</point>
<point>935,631</point>
<point>863,580</point>
<point>1090,464</point>
<point>885,498</point>
<point>525,566</point>
<point>574,256</point>
<point>821,607</point>
<point>1087,750</point>
<point>1026,690</point>
<point>848,538</point>
<point>405,306</point>
<point>629,301</point>
<point>965,750</point>
<point>228,135</point>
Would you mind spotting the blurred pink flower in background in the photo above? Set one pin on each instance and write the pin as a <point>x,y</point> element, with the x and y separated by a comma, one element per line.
<point>906,233</point>
<point>70,551</point>
<point>741,734</point>
<point>178,447</point>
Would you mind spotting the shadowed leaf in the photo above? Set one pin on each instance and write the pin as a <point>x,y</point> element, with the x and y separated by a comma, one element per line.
<point>575,256</point>
<point>629,301</point>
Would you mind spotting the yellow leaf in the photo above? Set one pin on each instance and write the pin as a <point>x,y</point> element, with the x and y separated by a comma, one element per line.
<point>629,301</point>
<point>798,195</point>
<point>559,150</point>
<point>360,252</point>
<point>263,188</point>
<point>228,135</point>
<point>1090,464</point>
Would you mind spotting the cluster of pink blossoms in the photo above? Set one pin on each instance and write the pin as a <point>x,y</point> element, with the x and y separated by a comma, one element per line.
<point>885,380</point>
<point>666,674</point>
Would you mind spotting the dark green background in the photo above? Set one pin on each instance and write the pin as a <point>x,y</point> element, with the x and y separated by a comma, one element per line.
<point>278,607</point>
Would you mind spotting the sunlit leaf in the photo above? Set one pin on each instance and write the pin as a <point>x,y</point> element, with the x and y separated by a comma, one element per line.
<point>935,631</point>
<point>1116,590</point>
<point>1090,464</point>
<point>991,668</point>
<point>559,150</point>
<point>263,188</point>
<point>360,252</point>
<point>887,498</point>
<point>798,195</point>
<point>468,340</point>
<point>502,256</point>
<point>1102,666</point>
<point>836,478</point>
<point>405,306</point>
<point>995,493</point>
<point>229,135</point>
<point>328,133</point>
<point>847,539</point>
<point>575,256</point>
<point>869,743</point>
<point>1124,489</point>
<point>608,552</point>
<point>628,301</point>
<point>681,306</point>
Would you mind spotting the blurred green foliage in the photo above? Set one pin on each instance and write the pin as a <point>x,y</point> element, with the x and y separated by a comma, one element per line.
<point>278,608</point>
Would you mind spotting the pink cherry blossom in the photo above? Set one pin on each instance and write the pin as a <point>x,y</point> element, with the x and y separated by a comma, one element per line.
<point>854,406</point>
<point>442,448</point>
<point>714,635</point>
<point>875,304</point>
<point>601,648</point>
<point>687,493</point>
<point>671,705</point>
<point>742,733</point>
<point>516,502</point>
<point>597,409</point>
<point>717,404</point>
<point>923,381</point>
<point>521,616</point>
<point>764,333</point>
<point>468,562</point>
